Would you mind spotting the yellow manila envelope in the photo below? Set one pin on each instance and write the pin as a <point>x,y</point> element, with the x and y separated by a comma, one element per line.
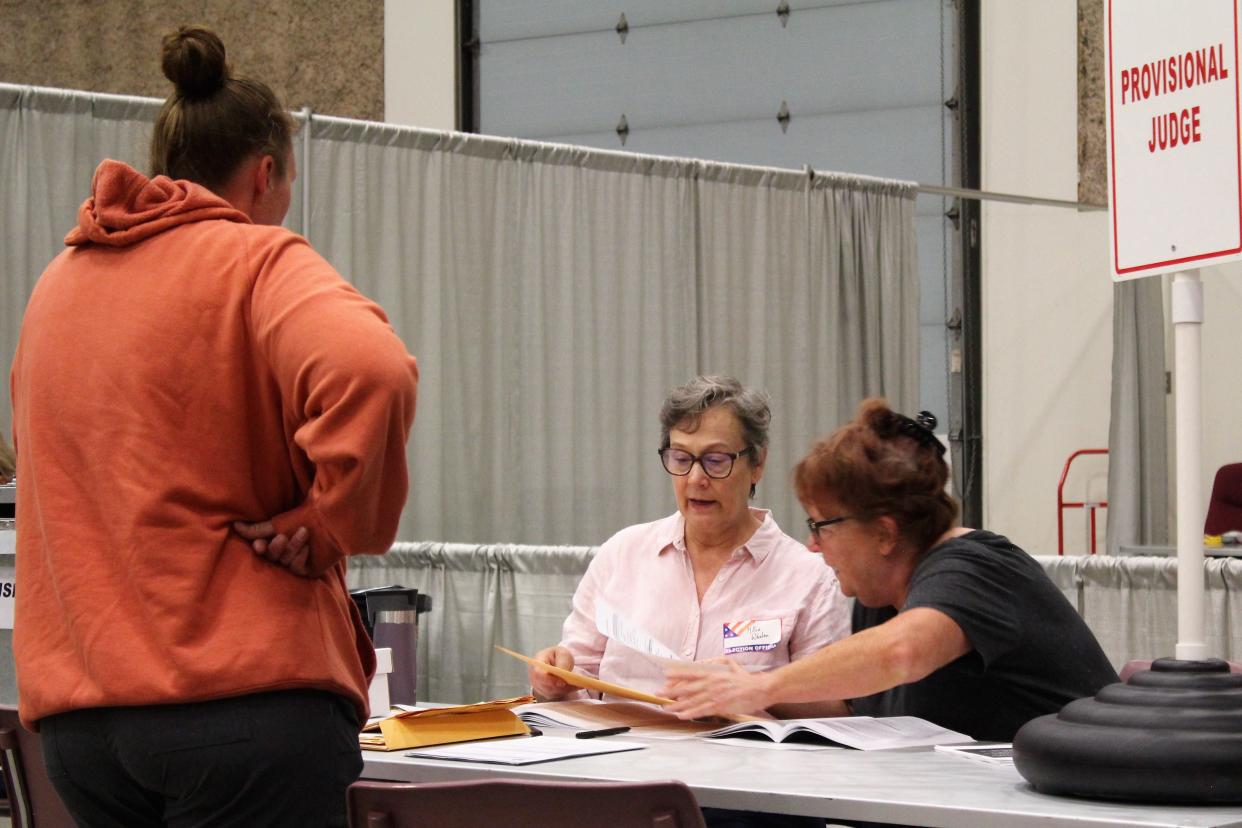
<point>444,725</point>
<point>588,683</point>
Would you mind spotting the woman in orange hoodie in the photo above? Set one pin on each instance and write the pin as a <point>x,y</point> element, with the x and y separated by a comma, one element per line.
<point>208,420</point>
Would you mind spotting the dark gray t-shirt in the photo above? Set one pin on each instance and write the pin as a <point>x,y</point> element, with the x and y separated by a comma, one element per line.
<point>1031,651</point>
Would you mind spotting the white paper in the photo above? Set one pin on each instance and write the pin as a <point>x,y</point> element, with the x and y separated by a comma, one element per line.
<point>616,626</point>
<point>992,754</point>
<point>644,720</point>
<point>860,732</point>
<point>523,751</point>
<point>755,743</point>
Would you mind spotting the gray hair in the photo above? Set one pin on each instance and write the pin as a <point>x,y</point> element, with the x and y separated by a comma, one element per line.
<point>687,403</point>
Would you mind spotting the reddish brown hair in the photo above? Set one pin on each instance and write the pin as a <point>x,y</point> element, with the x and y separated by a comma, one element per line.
<point>872,467</point>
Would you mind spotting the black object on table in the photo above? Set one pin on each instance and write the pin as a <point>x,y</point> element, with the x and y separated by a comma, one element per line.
<point>391,617</point>
<point>1171,734</point>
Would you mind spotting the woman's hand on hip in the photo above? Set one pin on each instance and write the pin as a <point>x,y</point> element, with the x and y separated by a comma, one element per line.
<point>291,552</point>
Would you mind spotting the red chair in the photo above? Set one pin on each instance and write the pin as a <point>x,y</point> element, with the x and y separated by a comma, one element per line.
<point>33,801</point>
<point>517,803</point>
<point>1224,512</point>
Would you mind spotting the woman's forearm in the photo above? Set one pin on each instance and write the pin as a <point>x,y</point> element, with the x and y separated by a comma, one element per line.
<point>905,649</point>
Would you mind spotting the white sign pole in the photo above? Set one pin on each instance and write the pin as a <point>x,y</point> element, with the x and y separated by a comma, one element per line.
<point>1175,182</point>
<point>1187,313</point>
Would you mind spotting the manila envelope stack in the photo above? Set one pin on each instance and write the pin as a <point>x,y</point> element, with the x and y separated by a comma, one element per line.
<point>443,725</point>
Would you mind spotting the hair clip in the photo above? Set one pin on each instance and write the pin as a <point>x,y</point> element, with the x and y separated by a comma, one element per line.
<point>921,429</point>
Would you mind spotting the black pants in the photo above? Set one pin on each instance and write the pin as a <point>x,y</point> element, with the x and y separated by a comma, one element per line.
<point>270,759</point>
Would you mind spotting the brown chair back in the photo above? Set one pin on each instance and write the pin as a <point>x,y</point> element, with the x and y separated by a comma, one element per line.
<point>516,803</point>
<point>33,801</point>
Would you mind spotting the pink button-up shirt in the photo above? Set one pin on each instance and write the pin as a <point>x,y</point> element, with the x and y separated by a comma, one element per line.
<point>771,585</point>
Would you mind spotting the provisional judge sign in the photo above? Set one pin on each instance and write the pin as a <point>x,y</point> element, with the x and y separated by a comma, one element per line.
<point>1175,140</point>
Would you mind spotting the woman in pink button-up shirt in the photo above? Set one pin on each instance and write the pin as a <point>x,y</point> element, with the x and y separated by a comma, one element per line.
<point>715,578</point>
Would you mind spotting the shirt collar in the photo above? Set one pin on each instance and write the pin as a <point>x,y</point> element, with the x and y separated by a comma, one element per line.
<point>758,547</point>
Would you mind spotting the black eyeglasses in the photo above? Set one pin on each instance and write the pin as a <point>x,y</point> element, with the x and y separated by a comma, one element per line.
<point>815,525</point>
<point>715,464</point>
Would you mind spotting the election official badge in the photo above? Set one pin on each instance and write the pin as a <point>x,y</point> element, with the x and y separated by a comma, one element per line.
<point>751,636</point>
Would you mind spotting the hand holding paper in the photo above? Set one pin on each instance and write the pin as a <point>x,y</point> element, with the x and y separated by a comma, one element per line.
<point>587,682</point>
<point>549,686</point>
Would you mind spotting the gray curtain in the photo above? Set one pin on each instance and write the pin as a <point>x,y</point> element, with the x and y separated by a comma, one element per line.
<point>1138,468</point>
<point>1063,571</point>
<point>1131,606</point>
<point>514,596</point>
<point>807,289</point>
<point>552,294</point>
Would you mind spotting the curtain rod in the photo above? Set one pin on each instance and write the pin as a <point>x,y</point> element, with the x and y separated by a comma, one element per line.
<point>601,152</point>
<point>986,195</point>
<point>21,88</point>
<point>306,115</point>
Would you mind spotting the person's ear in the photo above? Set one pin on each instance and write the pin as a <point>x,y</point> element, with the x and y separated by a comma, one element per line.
<point>757,467</point>
<point>264,175</point>
<point>886,533</point>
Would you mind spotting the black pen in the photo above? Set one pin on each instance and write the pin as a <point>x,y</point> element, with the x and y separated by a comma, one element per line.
<point>608,731</point>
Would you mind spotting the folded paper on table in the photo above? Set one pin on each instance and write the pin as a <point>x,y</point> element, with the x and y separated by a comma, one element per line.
<point>859,732</point>
<point>588,683</point>
<point>525,751</point>
<point>443,725</point>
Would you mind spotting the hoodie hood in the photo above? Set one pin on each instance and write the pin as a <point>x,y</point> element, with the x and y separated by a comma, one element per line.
<point>126,207</point>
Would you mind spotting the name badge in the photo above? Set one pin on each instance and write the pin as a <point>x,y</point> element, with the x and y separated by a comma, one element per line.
<point>752,636</point>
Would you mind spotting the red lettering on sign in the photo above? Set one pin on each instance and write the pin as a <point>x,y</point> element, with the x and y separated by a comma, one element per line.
<point>1167,131</point>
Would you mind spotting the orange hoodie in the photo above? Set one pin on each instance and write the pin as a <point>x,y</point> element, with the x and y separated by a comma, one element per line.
<point>180,368</point>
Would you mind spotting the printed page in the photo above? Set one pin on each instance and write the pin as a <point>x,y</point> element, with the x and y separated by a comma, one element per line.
<point>524,751</point>
<point>773,729</point>
<point>591,714</point>
<point>616,626</point>
<point>762,744</point>
<point>867,733</point>
<point>859,732</point>
<point>992,754</point>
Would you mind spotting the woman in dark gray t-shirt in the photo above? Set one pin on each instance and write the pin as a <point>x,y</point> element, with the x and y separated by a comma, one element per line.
<point>958,626</point>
